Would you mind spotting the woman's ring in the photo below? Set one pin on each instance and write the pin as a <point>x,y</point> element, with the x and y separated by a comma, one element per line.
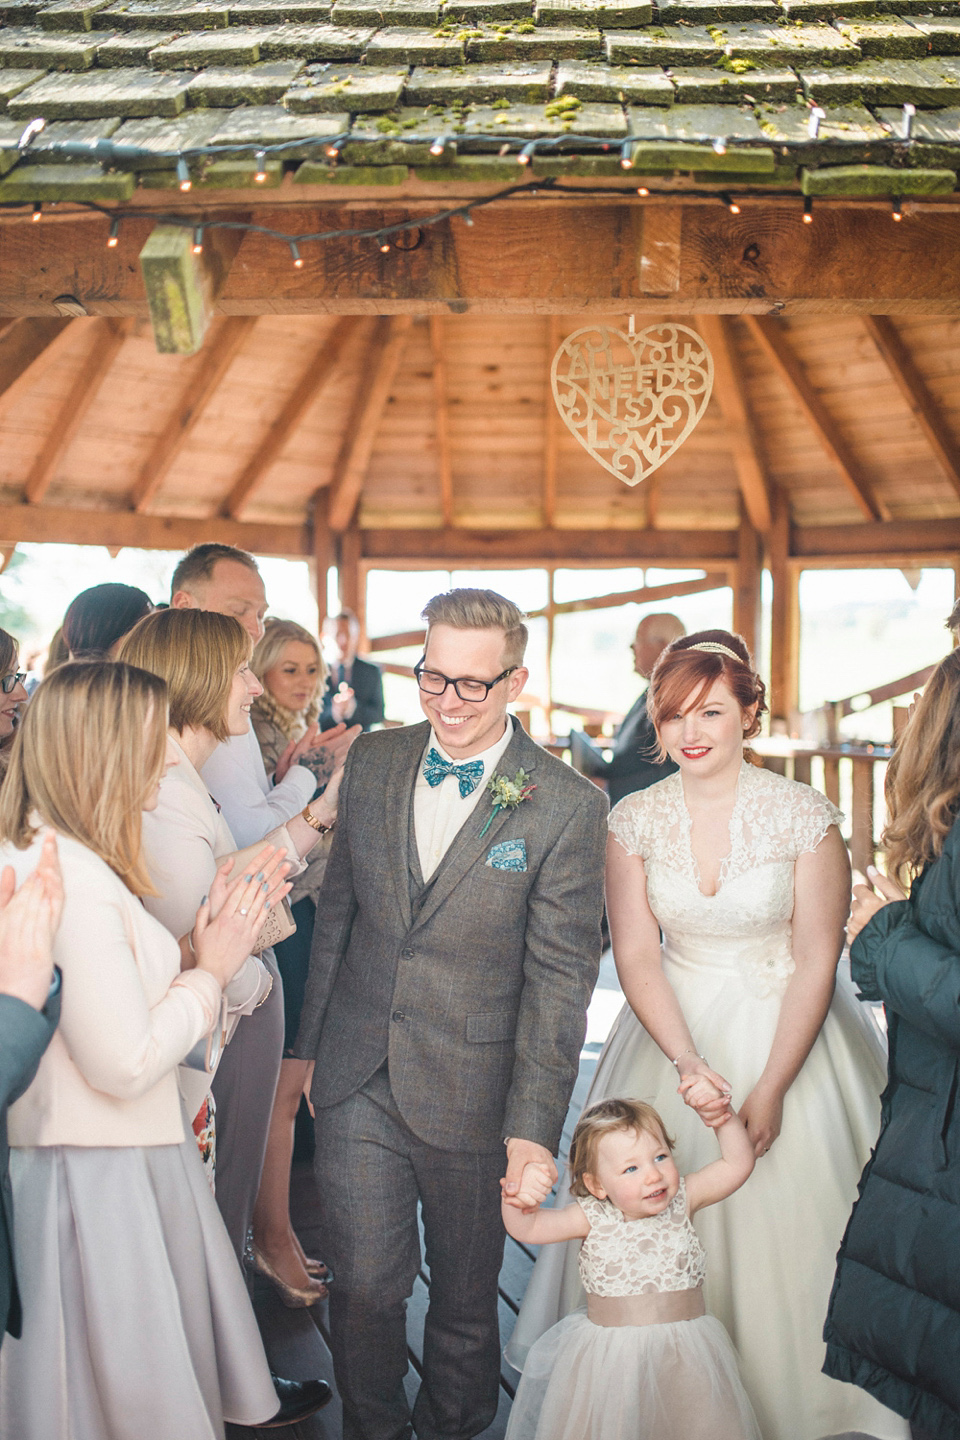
<point>242,911</point>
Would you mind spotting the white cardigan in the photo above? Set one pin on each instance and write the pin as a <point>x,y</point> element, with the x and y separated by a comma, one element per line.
<point>109,1076</point>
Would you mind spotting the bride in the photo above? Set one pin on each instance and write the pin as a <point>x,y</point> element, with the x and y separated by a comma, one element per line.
<point>746,875</point>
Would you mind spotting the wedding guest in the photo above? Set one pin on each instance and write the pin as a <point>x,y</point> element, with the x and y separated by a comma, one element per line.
<point>12,694</point>
<point>354,689</point>
<point>29,1011</point>
<point>637,760</point>
<point>226,580</point>
<point>291,669</point>
<point>894,1322</point>
<point>97,620</point>
<point>135,1313</point>
<point>445,1010</point>
<point>204,660</point>
<point>727,887</point>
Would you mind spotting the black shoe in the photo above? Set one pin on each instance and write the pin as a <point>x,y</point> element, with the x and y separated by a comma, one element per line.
<point>298,1399</point>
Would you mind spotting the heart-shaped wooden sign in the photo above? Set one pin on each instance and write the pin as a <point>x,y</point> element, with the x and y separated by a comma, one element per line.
<point>632,400</point>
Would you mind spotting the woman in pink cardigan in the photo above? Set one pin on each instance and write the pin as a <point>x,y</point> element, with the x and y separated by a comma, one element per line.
<point>136,1319</point>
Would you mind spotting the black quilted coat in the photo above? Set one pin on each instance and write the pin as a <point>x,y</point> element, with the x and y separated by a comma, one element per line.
<point>893,1326</point>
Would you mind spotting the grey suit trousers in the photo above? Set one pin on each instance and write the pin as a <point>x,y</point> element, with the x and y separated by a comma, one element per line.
<point>371,1169</point>
<point>244,1088</point>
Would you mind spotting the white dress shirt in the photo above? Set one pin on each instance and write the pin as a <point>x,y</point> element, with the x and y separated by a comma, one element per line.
<point>439,811</point>
<point>251,806</point>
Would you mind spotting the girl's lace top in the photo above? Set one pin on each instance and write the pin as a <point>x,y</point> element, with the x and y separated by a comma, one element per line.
<point>745,927</point>
<point>639,1257</point>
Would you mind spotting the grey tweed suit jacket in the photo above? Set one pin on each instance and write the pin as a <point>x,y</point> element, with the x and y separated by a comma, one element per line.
<point>475,986</point>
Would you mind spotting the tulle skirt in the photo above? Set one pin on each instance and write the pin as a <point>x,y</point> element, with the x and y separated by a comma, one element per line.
<point>675,1381</point>
<point>137,1324</point>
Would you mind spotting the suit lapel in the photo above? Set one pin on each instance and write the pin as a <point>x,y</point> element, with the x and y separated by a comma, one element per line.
<point>398,801</point>
<point>468,846</point>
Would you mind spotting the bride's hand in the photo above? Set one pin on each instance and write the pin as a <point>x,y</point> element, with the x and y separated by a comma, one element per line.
<point>762,1114</point>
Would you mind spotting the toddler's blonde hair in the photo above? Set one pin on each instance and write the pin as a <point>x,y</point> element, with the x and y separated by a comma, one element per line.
<point>605,1118</point>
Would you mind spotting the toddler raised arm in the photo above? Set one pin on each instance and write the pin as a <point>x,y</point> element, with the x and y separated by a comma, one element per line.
<point>722,1177</point>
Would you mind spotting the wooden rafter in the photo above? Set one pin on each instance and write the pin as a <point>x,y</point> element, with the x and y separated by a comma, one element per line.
<point>772,337</point>
<point>441,417</point>
<point>123,528</point>
<point>316,373</point>
<point>914,389</point>
<point>203,377</point>
<point>108,336</point>
<point>550,432</point>
<point>22,344</point>
<point>693,549</point>
<point>390,338</point>
<point>648,595</point>
<point>731,393</point>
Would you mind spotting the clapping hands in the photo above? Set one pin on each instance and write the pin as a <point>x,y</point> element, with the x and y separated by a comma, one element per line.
<point>231,916</point>
<point>333,744</point>
<point>28,922</point>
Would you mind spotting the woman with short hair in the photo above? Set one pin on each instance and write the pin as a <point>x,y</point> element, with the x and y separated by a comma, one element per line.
<point>135,1313</point>
<point>289,665</point>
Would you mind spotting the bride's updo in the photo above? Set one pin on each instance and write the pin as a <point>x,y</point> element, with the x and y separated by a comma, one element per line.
<point>685,669</point>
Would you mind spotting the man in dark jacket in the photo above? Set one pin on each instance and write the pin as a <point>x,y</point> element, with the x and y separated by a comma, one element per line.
<point>354,692</point>
<point>29,1011</point>
<point>634,764</point>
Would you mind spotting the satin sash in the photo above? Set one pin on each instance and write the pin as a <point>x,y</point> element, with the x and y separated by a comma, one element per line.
<point>661,1307</point>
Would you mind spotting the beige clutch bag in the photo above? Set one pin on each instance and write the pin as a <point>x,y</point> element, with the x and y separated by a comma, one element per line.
<point>279,924</point>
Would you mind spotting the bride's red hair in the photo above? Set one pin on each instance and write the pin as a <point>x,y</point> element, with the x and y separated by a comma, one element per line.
<point>683,675</point>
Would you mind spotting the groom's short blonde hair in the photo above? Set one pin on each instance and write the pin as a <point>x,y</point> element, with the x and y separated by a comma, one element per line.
<point>466,609</point>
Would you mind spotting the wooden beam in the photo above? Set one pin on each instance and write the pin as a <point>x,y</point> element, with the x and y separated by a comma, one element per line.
<point>648,595</point>
<point>22,343</point>
<point>730,392</point>
<point>659,251</point>
<point>323,553</point>
<point>551,433</point>
<point>182,283</point>
<point>122,528</point>
<point>441,417</point>
<point>914,389</point>
<point>108,336</point>
<point>315,375</point>
<point>377,381</point>
<point>399,641</point>
<point>747,590</point>
<point>895,543</point>
<point>693,549</point>
<point>553,255</point>
<point>772,337</point>
<point>203,378</point>
<point>352,579</point>
<point>785,619</point>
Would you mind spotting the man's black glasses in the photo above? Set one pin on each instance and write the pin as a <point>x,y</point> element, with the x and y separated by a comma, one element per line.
<point>431,682</point>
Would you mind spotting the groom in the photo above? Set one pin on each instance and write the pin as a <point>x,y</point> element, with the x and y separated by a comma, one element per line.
<point>456,947</point>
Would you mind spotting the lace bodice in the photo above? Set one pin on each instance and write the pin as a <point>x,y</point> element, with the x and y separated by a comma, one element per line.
<point>638,1257</point>
<point>745,926</point>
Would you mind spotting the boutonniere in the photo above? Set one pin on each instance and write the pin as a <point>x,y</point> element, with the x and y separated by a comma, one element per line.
<point>507,794</point>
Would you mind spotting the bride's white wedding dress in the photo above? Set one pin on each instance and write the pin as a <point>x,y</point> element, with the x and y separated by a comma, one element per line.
<point>771,1247</point>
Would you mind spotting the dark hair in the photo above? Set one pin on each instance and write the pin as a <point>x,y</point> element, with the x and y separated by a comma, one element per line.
<point>9,653</point>
<point>685,672</point>
<point>198,564</point>
<point>97,618</point>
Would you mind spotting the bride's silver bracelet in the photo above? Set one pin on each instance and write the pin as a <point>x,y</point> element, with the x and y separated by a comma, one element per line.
<point>687,1051</point>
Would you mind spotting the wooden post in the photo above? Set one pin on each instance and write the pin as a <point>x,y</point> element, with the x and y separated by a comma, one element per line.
<point>785,619</point>
<point>746,588</point>
<point>351,581</point>
<point>861,839</point>
<point>323,556</point>
<point>183,282</point>
<point>831,778</point>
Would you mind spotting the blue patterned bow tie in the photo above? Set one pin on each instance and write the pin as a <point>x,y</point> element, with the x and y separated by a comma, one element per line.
<point>436,769</point>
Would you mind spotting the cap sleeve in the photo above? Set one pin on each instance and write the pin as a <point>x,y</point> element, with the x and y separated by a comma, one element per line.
<point>626,823</point>
<point>812,819</point>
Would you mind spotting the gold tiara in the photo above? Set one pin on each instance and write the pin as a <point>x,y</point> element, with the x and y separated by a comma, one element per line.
<point>716,649</point>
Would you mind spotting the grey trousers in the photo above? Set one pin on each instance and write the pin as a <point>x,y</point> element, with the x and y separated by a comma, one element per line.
<point>244,1088</point>
<point>371,1170</point>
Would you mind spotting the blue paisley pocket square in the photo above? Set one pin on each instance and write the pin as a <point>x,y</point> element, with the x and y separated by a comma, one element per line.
<point>508,855</point>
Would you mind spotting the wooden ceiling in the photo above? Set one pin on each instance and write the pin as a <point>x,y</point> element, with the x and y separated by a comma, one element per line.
<point>420,423</point>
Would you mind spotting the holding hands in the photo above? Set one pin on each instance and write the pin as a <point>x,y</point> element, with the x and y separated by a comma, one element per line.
<point>531,1174</point>
<point>703,1089</point>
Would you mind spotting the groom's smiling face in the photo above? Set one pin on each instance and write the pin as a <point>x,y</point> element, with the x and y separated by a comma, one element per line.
<point>467,727</point>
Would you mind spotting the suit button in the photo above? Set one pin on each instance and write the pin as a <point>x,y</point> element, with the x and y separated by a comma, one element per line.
<point>399,1015</point>
<point>408,954</point>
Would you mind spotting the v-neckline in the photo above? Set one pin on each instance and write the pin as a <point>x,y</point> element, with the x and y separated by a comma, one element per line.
<point>722,872</point>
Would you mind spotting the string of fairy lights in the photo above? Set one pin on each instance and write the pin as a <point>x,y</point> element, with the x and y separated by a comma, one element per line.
<point>188,160</point>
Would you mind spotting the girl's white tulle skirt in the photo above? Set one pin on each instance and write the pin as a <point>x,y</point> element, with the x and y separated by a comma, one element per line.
<point>674,1381</point>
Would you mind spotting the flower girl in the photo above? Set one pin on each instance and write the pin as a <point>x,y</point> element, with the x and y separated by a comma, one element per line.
<point>644,1362</point>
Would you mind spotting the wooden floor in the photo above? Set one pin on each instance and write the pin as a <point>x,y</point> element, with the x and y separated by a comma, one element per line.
<point>296,1340</point>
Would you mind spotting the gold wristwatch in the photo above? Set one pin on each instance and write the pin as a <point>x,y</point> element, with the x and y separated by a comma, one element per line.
<point>313,822</point>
